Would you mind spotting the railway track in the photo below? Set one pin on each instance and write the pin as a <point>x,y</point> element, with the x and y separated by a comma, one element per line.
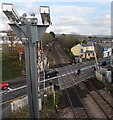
<point>75,101</point>
<point>73,94</point>
<point>102,102</point>
<point>62,62</point>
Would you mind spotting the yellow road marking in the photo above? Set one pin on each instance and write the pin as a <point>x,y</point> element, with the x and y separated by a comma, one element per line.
<point>13,99</point>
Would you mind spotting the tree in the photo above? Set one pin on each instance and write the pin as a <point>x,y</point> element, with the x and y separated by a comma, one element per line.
<point>52,34</point>
<point>84,41</point>
<point>69,40</point>
<point>11,37</point>
<point>11,67</point>
<point>46,39</point>
<point>63,34</point>
<point>90,37</point>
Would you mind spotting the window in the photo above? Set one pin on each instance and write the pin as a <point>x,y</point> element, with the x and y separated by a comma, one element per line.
<point>105,49</point>
<point>88,54</point>
<point>111,62</point>
<point>81,50</point>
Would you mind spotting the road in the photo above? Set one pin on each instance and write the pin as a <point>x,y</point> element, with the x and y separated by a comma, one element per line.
<point>18,92</point>
<point>63,80</point>
<point>20,88</point>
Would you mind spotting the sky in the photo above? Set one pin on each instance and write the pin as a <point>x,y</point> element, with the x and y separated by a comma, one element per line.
<point>85,17</point>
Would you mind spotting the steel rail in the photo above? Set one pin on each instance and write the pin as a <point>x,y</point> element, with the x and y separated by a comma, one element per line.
<point>74,89</point>
<point>89,93</point>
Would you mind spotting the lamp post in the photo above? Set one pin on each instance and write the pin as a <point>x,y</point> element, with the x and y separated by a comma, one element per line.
<point>29,33</point>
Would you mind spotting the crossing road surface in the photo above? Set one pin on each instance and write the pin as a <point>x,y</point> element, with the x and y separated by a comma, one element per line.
<point>10,94</point>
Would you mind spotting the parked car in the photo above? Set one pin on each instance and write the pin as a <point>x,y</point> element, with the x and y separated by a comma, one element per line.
<point>78,72</point>
<point>4,85</point>
<point>102,63</point>
<point>50,73</point>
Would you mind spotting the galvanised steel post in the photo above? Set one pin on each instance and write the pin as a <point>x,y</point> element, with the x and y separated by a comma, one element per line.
<point>29,33</point>
<point>39,67</point>
<point>31,72</point>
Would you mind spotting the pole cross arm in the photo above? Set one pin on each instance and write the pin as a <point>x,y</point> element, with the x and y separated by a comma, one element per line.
<point>19,31</point>
<point>37,32</point>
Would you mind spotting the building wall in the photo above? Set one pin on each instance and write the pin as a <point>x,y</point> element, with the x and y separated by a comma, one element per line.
<point>77,50</point>
<point>90,48</point>
<point>107,53</point>
<point>99,51</point>
<point>88,56</point>
<point>112,54</point>
<point>102,52</point>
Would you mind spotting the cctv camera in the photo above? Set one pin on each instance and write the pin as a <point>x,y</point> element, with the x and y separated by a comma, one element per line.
<point>45,15</point>
<point>10,12</point>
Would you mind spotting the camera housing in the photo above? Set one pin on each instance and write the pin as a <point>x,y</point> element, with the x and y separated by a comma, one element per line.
<point>10,12</point>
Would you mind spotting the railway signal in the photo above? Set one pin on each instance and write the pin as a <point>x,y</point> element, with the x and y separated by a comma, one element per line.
<point>29,32</point>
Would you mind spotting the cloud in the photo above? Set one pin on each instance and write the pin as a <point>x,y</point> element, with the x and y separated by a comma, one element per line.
<point>68,24</point>
<point>57,1</point>
<point>62,29</point>
<point>82,20</point>
<point>3,21</point>
<point>69,18</point>
<point>71,10</point>
<point>101,21</point>
<point>66,20</point>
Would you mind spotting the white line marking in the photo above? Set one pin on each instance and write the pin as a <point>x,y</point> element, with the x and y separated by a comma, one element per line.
<point>12,90</point>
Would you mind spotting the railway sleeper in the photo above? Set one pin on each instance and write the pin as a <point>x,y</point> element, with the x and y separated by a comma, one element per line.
<point>80,113</point>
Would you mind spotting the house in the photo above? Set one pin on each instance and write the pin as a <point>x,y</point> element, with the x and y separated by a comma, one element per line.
<point>83,50</point>
<point>88,54</point>
<point>103,50</point>
<point>106,40</point>
<point>112,54</point>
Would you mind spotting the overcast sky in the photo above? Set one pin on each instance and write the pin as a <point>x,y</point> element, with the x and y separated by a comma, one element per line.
<point>83,17</point>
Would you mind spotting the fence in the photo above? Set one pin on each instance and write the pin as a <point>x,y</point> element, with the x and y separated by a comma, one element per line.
<point>99,76</point>
<point>16,105</point>
<point>19,103</point>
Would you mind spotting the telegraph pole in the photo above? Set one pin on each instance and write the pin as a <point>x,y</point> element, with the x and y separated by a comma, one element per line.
<point>29,33</point>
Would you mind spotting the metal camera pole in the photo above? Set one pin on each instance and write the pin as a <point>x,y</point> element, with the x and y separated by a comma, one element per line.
<point>31,73</point>
<point>29,33</point>
<point>34,32</point>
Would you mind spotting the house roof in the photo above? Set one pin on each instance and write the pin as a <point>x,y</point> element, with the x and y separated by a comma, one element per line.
<point>84,45</point>
<point>89,52</point>
<point>87,44</point>
<point>106,40</point>
<point>75,45</point>
<point>105,45</point>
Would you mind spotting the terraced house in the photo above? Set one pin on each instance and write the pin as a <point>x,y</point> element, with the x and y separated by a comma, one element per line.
<point>112,53</point>
<point>103,50</point>
<point>85,51</point>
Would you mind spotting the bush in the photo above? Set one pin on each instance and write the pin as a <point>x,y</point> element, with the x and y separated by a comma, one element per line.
<point>11,67</point>
<point>21,113</point>
<point>49,103</point>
